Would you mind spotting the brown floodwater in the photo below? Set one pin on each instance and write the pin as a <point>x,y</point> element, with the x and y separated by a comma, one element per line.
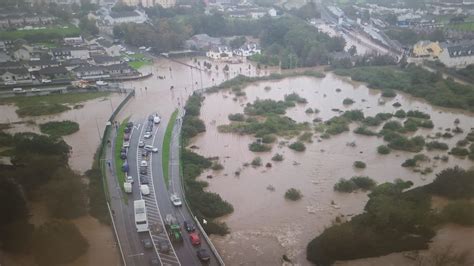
<point>264,226</point>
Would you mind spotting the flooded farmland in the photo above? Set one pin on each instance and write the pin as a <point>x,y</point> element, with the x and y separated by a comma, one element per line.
<point>264,226</point>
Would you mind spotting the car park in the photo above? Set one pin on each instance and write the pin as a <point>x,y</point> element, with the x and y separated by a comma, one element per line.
<point>189,226</point>
<point>130,179</point>
<point>143,163</point>
<point>195,240</point>
<point>147,135</point>
<point>147,244</point>
<point>141,144</point>
<point>145,190</point>
<point>150,118</point>
<point>203,255</point>
<point>144,180</point>
<point>176,200</point>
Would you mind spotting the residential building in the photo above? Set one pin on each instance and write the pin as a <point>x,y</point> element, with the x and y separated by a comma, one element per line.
<point>4,57</point>
<point>105,60</point>
<point>135,16</point>
<point>119,70</point>
<point>219,52</point>
<point>54,73</point>
<point>110,48</point>
<point>64,53</point>
<point>90,72</point>
<point>37,65</point>
<point>457,55</point>
<point>248,49</point>
<point>10,65</point>
<point>23,53</point>
<point>19,75</point>
<point>73,40</point>
<point>427,49</point>
<point>165,3</point>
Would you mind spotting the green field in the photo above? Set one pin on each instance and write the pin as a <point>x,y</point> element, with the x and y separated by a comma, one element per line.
<point>49,104</point>
<point>53,31</point>
<point>166,147</point>
<point>118,146</point>
<point>139,64</point>
<point>138,60</point>
<point>467,26</point>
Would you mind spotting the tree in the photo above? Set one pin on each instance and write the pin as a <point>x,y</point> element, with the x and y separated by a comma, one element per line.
<point>88,26</point>
<point>58,242</point>
<point>237,42</point>
<point>13,205</point>
<point>352,50</point>
<point>66,195</point>
<point>16,236</point>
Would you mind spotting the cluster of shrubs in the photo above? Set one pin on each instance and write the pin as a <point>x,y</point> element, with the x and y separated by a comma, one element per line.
<point>355,183</point>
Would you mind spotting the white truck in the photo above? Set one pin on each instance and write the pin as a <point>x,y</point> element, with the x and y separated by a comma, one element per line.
<point>127,187</point>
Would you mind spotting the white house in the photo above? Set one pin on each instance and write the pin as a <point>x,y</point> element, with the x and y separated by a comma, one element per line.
<point>457,55</point>
<point>73,40</point>
<point>64,53</point>
<point>135,16</point>
<point>219,52</point>
<point>248,49</point>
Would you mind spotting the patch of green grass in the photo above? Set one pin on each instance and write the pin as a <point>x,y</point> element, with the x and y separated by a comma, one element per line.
<point>58,32</point>
<point>139,64</point>
<point>49,104</point>
<point>59,128</point>
<point>118,146</point>
<point>166,147</point>
<point>467,26</point>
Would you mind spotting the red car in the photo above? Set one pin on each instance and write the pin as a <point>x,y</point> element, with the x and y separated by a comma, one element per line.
<point>195,240</point>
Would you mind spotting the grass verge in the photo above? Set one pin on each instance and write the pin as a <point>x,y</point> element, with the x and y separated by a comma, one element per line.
<point>166,147</point>
<point>118,146</point>
<point>49,104</point>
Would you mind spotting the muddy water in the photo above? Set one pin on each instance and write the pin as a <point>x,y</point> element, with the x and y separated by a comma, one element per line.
<point>264,226</point>
<point>91,118</point>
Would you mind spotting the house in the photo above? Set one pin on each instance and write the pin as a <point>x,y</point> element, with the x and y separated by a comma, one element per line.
<point>248,50</point>
<point>457,55</point>
<point>10,65</point>
<point>219,52</point>
<point>4,24</point>
<point>4,57</point>
<point>110,48</point>
<point>19,75</point>
<point>54,73</point>
<point>90,72</point>
<point>23,53</point>
<point>427,49</point>
<point>64,53</point>
<point>202,42</point>
<point>37,65</point>
<point>73,40</point>
<point>135,16</point>
<point>105,60</point>
<point>164,3</point>
<point>119,70</point>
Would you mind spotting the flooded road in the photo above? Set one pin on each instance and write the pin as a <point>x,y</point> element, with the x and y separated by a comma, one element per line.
<point>264,226</point>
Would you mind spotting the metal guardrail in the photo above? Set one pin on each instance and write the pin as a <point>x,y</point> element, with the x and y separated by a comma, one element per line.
<point>209,242</point>
<point>116,234</point>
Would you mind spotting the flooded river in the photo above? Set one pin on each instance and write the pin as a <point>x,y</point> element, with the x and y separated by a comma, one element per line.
<point>264,226</point>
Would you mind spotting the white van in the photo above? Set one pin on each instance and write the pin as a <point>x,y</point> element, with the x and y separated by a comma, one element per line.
<point>145,190</point>
<point>156,119</point>
<point>127,187</point>
<point>17,90</point>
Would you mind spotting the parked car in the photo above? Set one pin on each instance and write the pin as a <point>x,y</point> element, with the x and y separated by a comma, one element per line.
<point>141,144</point>
<point>125,167</point>
<point>130,179</point>
<point>189,226</point>
<point>123,149</point>
<point>10,82</point>
<point>147,135</point>
<point>151,148</point>
<point>147,243</point>
<point>126,144</point>
<point>156,119</point>
<point>203,255</point>
<point>145,190</point>
<point>144,180</point>
<point>127,130</point>
<point>45,81</point>
<point>195,240</point>
<point>145,154</point>
<point>150,118</point>
<point>126,137</point>
<point>163,247</point>
<point>127,187</point>
<point>143,163</point>
<point>123,155</point>
<point>176,200</point>
<point>130,124</point>
<point>143,170</point>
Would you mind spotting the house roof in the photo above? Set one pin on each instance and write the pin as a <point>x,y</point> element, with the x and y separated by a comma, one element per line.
<point>461,50</point>
<point>118,66</point>
<point>101,59</point>
<point>74,62</point>
<point>42,62</point>
<point>17,71</point>
<point>124,14</point>
<point>53,70</point>
<point>88,68</point>
<point>10,65</point>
